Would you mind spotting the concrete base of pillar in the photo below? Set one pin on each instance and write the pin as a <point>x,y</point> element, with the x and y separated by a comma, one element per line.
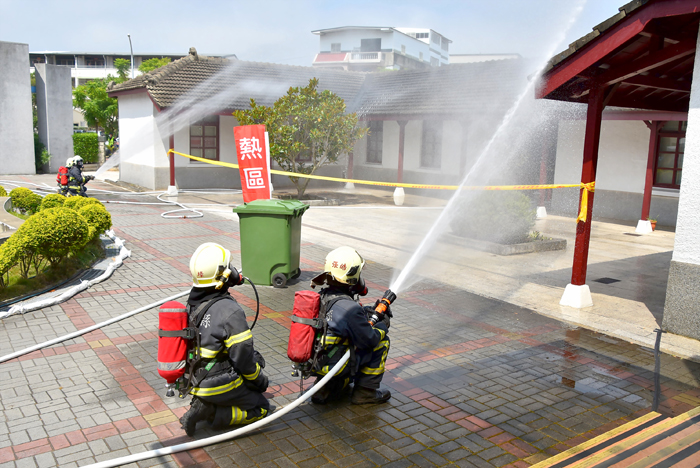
<point>399,196</point>
<point>577,296</point>
<point>172,190</point>
<point>541,212</point>
<point>349,186</point>
<point>682,309</point>
<point>644,227</point>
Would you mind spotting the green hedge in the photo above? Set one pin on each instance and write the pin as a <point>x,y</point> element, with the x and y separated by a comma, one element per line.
<point>75,203</point>
<point>3,193</point>
<point>56,232</point>
<point>495,216</point>
<point>97,217</point>
<point>53,200</point>
<point>85,145</point>
<point>25,200</point>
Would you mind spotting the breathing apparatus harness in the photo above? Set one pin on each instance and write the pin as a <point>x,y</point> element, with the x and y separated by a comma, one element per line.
<point>191,339</point>
<point>309,331</point>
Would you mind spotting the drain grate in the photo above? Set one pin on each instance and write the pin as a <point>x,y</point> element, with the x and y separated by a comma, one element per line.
<point>606,280</point>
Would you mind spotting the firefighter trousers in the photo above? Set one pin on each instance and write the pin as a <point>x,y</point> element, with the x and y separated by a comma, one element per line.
<point>237,404</point>
<point>369,367</point>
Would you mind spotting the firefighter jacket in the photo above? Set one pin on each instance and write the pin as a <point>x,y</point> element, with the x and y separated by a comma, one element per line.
<point>348,323</point>
<point>75,177</point>
<point>226,346</point>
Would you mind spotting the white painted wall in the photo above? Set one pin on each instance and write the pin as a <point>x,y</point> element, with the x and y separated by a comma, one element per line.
<point>351,39</point>
<point>622,154</point>
<point>687,246</point>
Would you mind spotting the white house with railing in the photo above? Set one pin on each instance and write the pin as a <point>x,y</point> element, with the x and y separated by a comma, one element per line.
<point>86,66</point>
<point>368,48</point>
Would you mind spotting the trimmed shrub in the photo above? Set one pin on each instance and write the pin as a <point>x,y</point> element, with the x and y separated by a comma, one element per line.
<point>53,200</point>
<point>75,203</point>
<point>25,200</point>
<point>86,145</point>
<point>97,217</point>
<point>10,253</point>
<point>56,233</point>
<point>3,193</point>
<point>21,249</point>
<point>497,216</point>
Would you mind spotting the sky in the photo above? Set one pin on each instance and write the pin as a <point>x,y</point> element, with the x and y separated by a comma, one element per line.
<point>279,31</point>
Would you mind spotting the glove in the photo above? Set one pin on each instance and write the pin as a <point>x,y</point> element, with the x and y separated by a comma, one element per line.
<point>258,385</point>
<point>388,312</point>
<point>257,357</point>
<point>90,177</point>
<point>386,320</point>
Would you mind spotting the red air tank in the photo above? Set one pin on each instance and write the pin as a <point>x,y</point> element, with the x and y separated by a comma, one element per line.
<point>172,349</point>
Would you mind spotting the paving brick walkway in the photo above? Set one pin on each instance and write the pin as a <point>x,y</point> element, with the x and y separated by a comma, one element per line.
<point>475,381</point>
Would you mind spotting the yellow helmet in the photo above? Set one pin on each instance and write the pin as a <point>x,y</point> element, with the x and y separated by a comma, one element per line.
<point>210,265</point>
<point>344,264</point>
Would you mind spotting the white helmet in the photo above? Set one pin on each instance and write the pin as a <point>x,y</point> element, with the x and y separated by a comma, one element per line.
<point>344,264</point>
<point>69,162</point>
<point>77,160</point>
<point>210,265</point>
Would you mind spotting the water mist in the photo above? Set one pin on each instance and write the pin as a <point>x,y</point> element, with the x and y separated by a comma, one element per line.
<point>406,277</point>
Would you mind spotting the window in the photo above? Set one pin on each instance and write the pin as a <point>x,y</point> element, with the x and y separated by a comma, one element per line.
<point>204,138</point>
<point>431,150</point>
<point>375,139</point>
<point>335,47</point>
<point>421,35</point>
<point>371,45</point>
<point>669,155</point>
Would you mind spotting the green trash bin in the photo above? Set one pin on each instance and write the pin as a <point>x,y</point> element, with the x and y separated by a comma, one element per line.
<point>270,240</point>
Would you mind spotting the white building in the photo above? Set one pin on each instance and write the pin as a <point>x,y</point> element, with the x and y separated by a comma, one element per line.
<point>368,48</point>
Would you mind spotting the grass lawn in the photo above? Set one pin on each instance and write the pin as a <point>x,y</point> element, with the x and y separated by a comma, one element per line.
<point>18,286</point>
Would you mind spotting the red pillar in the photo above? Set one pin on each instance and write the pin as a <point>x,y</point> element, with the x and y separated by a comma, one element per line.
<point>649,182</point>
<point>590,163</point>
<point>402,137</point>
<point>172,161</point>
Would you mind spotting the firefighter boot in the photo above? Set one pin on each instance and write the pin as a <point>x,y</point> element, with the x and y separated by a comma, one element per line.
<point>333,390</point>
<point>199,411</point>
<point>364,395</point>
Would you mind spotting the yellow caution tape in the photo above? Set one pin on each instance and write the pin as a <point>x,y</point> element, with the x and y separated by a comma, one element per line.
<point>581,216</point>
<point>589,187</point>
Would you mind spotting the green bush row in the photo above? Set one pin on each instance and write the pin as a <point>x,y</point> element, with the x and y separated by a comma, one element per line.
<point>26,200</point>
<point>3,193</point>
<point>52,234</point>
<point>86,146</point>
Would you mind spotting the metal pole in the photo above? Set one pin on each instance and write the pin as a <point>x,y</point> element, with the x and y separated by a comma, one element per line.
<point>657,371</point>
<point>132,56</point>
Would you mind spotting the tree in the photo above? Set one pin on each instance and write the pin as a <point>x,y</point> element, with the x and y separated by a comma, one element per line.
<point>99,109</point>
<point>123,67</point>
<point>308,129</point>
<point>152,64</point>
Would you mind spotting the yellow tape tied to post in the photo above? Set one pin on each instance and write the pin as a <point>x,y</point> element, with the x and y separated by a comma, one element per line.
<point>581,217</point>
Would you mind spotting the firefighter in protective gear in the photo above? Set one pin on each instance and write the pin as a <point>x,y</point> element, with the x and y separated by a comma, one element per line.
<point>76,180</point>
<point>229,382</point>
<point>348,327</point>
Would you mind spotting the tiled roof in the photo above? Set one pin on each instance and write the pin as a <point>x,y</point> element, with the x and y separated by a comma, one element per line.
<point>599,29</point>
<point>470,89</point>
<point>481,87</point>
<point>235,82</point>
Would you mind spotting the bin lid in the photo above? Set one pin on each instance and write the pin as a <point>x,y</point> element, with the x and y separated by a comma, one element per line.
<point>282,207</point>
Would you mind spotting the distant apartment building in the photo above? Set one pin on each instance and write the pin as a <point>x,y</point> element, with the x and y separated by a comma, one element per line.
<point>86,66</point>
<point>368,48</point>
<point>473,58</point>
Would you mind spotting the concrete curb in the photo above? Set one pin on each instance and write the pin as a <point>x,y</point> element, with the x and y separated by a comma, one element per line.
<point>506,249</point>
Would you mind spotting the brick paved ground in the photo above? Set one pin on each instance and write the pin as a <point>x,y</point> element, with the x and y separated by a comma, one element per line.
<point>475,382</point>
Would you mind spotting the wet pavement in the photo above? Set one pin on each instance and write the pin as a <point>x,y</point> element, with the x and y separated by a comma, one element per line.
<point>476,381</point>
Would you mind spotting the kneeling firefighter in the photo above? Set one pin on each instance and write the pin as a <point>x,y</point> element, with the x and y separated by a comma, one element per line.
<point>226,377</point>
<point>348,327</point>
<point>76,179</point>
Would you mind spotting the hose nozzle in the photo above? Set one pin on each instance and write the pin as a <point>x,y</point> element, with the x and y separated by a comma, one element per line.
<point>384,303</point>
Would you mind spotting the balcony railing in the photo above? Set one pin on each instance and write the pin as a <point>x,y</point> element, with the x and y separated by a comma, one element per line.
<point>366,57</point>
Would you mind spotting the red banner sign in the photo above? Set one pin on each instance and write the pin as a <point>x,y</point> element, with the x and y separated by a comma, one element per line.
<point>254,161</point>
